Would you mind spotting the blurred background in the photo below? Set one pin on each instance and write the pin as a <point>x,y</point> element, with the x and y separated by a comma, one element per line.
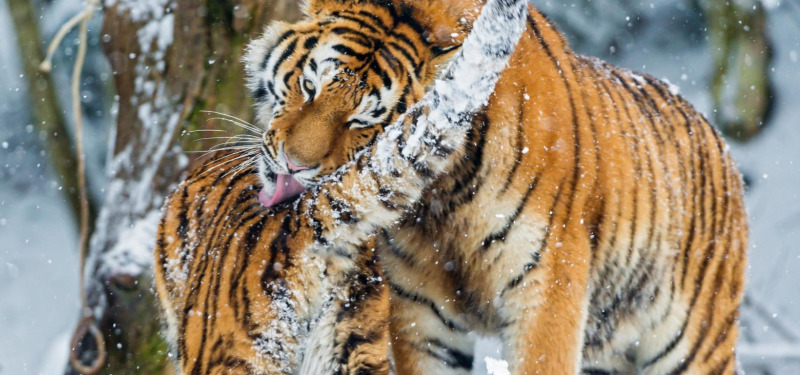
<point>153,65</point>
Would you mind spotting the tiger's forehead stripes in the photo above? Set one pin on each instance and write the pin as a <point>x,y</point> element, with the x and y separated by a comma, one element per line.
<point>375,60</point>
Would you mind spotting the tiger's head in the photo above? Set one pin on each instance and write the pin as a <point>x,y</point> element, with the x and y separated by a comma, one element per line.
<point>325,87</point>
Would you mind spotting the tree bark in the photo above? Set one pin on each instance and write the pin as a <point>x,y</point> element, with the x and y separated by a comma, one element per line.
<point>47,114</point>
<point>171,60</point>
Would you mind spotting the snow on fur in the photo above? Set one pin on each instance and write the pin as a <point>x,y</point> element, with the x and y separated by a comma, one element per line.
<point>416,148</point>
<point>463,89</point>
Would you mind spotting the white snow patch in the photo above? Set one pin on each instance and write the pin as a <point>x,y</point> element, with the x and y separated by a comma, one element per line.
<point>673,88</point>
<point>496,366</point>
<point>133,252</point>
<point>636,77</point>
<point>275,341</point>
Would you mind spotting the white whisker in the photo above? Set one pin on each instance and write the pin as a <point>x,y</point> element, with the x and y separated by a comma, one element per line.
<point>224,162</point>
<point>237,150</point>
<point>236,137</point>
<point>206,152</point>
<point>253,130</point>
<point>242,166</point>
<point>206,130</point>
<point>235,120</point>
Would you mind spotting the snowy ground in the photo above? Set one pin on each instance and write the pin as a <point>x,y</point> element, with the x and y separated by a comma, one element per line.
<point>38,263</point>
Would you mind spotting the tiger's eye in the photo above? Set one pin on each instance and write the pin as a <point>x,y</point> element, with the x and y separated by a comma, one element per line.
<point>308,85</point>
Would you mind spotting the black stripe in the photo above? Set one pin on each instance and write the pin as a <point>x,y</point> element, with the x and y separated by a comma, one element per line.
<point>353,341</point>
<point>469,172</point>
<point>648,167</point>
<point>455,357</point>
<point>729,325</point>
<point>538,254</point>
<point>260,94</point>
<point>594,371</point>
<point>345,50</point>
<point>445,359</point>
<point>416,298</point>
<point>410,59</point>
<point>720,368</point>
<point>311,42</point>
<point>342,210</point>
<point>519,145</point>
<point>537,257</point>
<point>288,34</point>
<point>249,243</point>
<point>501,235</point>
<point>353,18</point>
<point>606,269</point>
<point>279,253</point>
<point>284,55</point>
<point>377,20</point>
<point>403,38</point>
<point>183,223</point>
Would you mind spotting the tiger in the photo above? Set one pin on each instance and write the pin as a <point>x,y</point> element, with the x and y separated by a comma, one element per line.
<point>250,286</point>
<point>593,220</point>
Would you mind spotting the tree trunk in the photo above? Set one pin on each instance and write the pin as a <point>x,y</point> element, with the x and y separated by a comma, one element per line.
<point>171,60</point>
<point>48,116</point>
<point>741,88</point>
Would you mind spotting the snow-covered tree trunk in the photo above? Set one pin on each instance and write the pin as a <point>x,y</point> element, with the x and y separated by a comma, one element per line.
<point>171,60</point>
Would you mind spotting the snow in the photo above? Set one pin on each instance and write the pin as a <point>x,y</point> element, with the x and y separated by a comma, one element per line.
<point>132,254</point>
<point>496,366</point>
<point>38,278</point>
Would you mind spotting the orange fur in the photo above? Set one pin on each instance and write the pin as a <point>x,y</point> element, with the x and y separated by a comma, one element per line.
<point>239,284</point>
<point>594,220</point>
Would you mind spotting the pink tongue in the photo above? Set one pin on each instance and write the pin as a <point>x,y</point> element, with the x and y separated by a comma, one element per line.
<point>287,188</point>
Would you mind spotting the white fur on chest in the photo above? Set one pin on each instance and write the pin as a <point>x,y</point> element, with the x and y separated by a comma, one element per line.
<point>319,356</point>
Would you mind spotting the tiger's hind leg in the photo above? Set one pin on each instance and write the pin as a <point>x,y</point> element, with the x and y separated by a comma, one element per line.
<point>706,346</point>
<point>705,341</point>
<point>425,340</point>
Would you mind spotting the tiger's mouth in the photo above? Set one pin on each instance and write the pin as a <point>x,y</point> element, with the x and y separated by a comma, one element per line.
<point>282,179</point>
<point>286,187</point>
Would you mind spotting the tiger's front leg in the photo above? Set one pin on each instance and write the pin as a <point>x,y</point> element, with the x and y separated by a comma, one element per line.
<point>545,308</point>
<point>426,341</point>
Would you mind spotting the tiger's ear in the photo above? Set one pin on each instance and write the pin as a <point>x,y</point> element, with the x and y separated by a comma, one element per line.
<point>447,24</point>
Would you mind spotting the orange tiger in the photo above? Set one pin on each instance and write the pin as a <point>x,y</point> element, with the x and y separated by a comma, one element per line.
<point>248,285</point>
<point>593,221</point>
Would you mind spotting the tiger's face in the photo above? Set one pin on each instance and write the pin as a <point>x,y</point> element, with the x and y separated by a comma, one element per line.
<point>325,88</point>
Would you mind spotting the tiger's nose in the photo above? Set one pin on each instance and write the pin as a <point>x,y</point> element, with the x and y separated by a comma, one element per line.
<point>293,165</point>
